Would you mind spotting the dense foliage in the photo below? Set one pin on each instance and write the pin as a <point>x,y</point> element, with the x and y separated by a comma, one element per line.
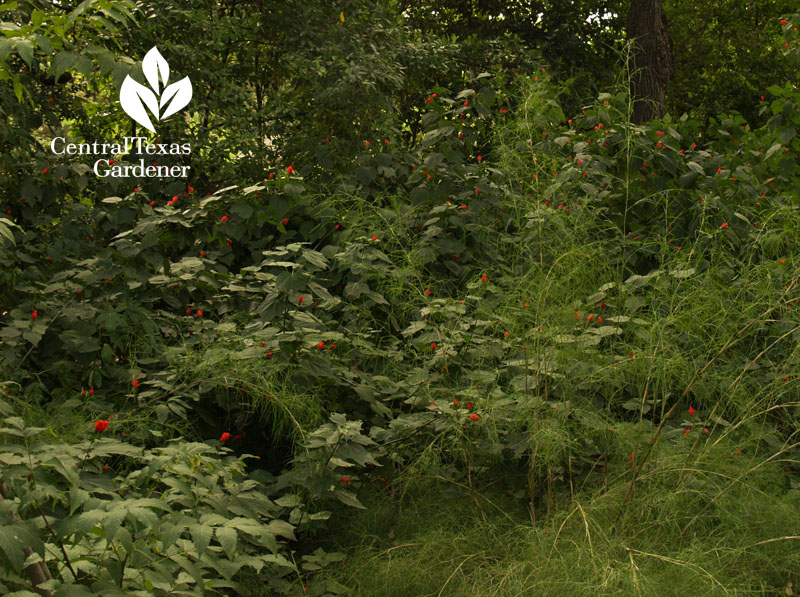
<point>401,256</point>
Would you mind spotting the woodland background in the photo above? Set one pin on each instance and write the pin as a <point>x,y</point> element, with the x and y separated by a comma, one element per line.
<point>461,298</point>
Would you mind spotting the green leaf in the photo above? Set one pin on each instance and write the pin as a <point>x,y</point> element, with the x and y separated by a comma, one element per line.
<point>62,62</point>
<point>282,528</point>
<point>24,48</point>
<point>772,150</point>
<point>201,536</point>
<point>227,539</point>
<point>348,498</point>
<point>113,521</point>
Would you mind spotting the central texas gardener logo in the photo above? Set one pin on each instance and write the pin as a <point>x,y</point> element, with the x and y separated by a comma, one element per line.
<point>161,101</point>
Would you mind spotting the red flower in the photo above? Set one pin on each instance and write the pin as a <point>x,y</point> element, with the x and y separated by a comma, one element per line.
<point>229,242</point>
<point>106,468</point>
<point>202,253</point>
<point>321,345</point>
<point>188,311</point>
<point>100,425</point>
<point>91,391</point>
<point>480,158</point>
<point>223,219</point>
<point>199,312</point>
<point>345,479</point>
<point>433,345</point>
<point>135,383</point>
<point>290,170</point>
<point>686,432</point>
<point>374,237</point>
<point>152,203</point>
<point>225,437</point>
<point>299,300</point>
<point>468,405</point>
<point>505,334</point>
<point>35,314</point>
<point>691,410</point>
<point>473,417</point>
<point>484,278</point>
<point>724,225</point>
<point>269,354</point>
<point>285,221</point>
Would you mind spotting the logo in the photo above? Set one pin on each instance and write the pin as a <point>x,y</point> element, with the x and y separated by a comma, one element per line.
<point>161,101</point>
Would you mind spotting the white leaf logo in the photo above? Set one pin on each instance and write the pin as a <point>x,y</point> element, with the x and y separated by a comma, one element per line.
<point>135,97</point>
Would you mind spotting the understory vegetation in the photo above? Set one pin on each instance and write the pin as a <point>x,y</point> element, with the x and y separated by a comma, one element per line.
<point>442,336</point>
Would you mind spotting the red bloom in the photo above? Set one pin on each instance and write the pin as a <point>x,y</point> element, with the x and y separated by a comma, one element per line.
<point>345,479</point>
<point>223,219</point>
<point>473,417</point>
<point>269,354</point>
<point>199,312</point>
<point>135,383</point>
<point>225,437</point>
<point>106,468</point>
<point>91,391</point>
<point>374,237</point>
<point>285,221</point>
<point>189,311</point>
<point>433,345</point>
<point>484,278</point>
<point>299,300</point>
<point>468,405</point>
<point>686,432</point>
<point>35,314</point>
<point>505,334</point>
<point>691,410</point>
<point>152,203</point>
<point>100,425</point>
<point>290,170</point>
<point>724,225</point>
<point>321,345</point>
<point>202,253</point>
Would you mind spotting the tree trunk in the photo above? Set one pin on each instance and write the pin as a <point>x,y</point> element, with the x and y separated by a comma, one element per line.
<point>650,69</point>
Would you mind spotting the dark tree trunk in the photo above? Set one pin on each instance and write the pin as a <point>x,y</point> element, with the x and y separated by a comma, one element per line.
<point>648,32</point>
